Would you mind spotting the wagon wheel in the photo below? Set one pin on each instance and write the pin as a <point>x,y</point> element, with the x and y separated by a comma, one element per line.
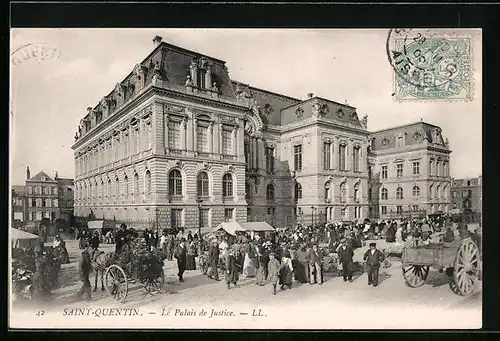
<point>415,275</point>
<point>154,285</point>
<point>116,283</point>
<point>465,269</point>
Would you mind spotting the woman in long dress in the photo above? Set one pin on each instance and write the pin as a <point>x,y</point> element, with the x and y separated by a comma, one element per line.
<point>190,257</point>
<point>249,269</point>
<point>286,272</point>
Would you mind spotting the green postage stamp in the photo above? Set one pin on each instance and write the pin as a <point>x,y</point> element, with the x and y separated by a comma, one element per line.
<point>430,65</point>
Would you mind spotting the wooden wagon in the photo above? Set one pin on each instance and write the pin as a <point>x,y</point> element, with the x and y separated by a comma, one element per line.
<point>460,260</point>
<point>130,270</point>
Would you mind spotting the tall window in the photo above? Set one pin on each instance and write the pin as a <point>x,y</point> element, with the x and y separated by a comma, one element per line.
<point>416,167</point>
<point>248,191</point>
<point>414,208</point>
<point>227,141</point>
<point>328,190</point>
<point>136,184</point>
<point>327,155</point>
<point>399,193</point>
<point>204,220</point>
<point>431,167</point>
<point>227,185</point>
<point>247,153</point>
<point>109,191</point>
<point>356,192</point>
<point>416,191</point>
<point>175,182</point>
<point>298,191</point>
<point>384,194</point>
<point>399,170</point>
<point>342,149</point>
<point>438,168</point>
<point>297,157</point>
<point>356,158</point>
<point>438,191</point>
<point>369,193</point>
<point>270,159</point>
<point>343,192</point>
<point>399,209</point>
<point>201,78</point>
<point>384,172</point>
<point>431,191</point>
<point>174,135</point>
<point>270,192</point>
<point>202,138</point>
<point>147,182</point>
<point>117,187</point>
<point>228,214</point>
<point>149,132</point>
<point>445,168</point>
<point>175,218</point>
<point>202,184</point>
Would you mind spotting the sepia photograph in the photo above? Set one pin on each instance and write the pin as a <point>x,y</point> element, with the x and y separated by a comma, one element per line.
<point>324,179</point>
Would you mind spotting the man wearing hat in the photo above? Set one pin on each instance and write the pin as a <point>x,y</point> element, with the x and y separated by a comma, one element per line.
<point>181,256</point>
<point>213,256</point>
<point>373,258</point>
<point>346,253</point>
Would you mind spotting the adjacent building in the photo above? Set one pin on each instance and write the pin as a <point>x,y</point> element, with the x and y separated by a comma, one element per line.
<point>178,142</point>
<point>409,171</point>
<point>19,203</point>
<point>47,197</point>
<point>466,195</point>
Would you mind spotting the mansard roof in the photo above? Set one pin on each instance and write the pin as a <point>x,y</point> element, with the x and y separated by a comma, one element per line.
<point>415,134</point>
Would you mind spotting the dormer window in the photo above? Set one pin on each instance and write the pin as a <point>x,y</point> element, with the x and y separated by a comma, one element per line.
<point>201,78</point>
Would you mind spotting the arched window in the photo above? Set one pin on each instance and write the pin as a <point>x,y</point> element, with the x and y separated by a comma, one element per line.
<point>101,189</point>
<point>416,191</point>
<point>147,182</point>
<point>298,191</point>
<point>202,184</point>
<point>384,194</point>
<point>438,191</point>
<point>110,192</point>
<point>175,182</point>
<point>125,185</point>
<point>356,192</point>
<point>248,191</point>
<point>136,184</point>
<point>270,192</point>
<point>399,193</point>
<point>444,193</point>
<point>117,188</point>
<point>227,185</point>
<point>343,192</point>
<point>328,190</point>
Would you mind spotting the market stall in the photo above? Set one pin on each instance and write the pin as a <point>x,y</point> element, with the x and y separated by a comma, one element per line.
<point>230,227</point>
<point>22,239</point>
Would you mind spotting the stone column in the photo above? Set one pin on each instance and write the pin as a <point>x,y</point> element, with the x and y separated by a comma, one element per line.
<point>256,153</point>
<point>234,140</point>
<point>195,137</point>
<point>183,134</point>
<point>336,149</point>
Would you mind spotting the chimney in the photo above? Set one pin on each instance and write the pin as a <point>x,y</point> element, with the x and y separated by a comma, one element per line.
<point>28,175</point>
<point>55,178</point>
<point>157,40</point>
<point>310,95</point>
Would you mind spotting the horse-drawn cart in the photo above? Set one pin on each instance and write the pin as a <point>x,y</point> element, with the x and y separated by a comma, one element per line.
<point>460,260</point>
<point>134,266</point>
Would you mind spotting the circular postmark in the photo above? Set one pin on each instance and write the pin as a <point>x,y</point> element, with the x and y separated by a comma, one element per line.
<point>34,51</point>
<point>429,64</point>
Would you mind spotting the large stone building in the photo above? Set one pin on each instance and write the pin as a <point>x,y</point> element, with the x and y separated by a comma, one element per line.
<point>466,195</point>
<point>410,171</point>
<point>178,142</point>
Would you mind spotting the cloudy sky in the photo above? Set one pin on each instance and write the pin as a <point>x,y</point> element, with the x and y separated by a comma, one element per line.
<point>49,97</point>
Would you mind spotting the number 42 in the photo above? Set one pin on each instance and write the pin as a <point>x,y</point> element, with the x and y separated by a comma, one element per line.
<point>40,313</point>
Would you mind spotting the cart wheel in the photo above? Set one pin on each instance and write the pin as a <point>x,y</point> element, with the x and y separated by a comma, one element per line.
<point>415,275</point>
<point>154,285</point>
<point>465,269</point>
<point>116,283</point>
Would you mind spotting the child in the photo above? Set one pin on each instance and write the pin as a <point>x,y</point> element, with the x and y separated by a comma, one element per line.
<point>274,268</point>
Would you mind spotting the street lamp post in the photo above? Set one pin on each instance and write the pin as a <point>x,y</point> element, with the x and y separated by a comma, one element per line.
<point>156,221</point>
<point>200,203</point>
<point>312,216</point>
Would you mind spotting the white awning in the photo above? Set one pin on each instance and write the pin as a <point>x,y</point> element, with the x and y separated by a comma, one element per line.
<point>258,226</point>
<point>95,224</point>
<point>230,227</point>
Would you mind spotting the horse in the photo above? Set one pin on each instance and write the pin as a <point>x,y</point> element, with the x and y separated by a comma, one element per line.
<point>100,262</point>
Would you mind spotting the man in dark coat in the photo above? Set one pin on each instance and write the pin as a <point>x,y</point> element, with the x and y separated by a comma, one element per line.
<point>213,256</point>
<point>181,256</point>
<point>373,258</point>
<point>84,268</point>
<point>315,269</point>
<point>346,253</point>
<point>120,238</point>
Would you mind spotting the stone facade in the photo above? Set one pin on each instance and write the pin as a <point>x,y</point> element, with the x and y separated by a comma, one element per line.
<point>467,195</point>
<point>179,143</point>
<point>19,203</point>
<point>410,171</point>
<point>42,197</point>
